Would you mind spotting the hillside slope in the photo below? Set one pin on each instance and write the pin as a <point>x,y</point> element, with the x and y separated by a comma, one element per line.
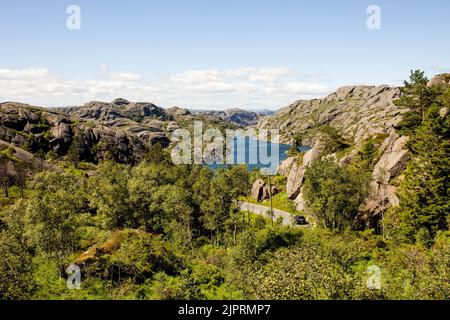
<point>357,112</point>
<point>337,127</point>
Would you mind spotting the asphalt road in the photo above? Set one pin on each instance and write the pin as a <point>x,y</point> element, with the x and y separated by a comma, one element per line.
<point>288,219</point>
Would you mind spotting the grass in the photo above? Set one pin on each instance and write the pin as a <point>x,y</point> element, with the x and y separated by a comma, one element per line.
<point>280,201</point>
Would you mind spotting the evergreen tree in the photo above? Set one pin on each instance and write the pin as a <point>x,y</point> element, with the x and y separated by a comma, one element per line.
<point>425,191</point>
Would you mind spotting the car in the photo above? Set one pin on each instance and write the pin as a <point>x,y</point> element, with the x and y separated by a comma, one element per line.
<point>300,220</point>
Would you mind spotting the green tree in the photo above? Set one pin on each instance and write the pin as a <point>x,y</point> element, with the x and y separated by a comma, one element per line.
<point>218,207</point>
<point>53,215</point>
<point>332,139</point>
<point>303,273</point>
<point>21,172</point>
<point>6,174</point>
<point>424,192</point>
<point>108,195</point>
<point>16,267</point>
<point>141,254</point>
<point>176,204</point>
<point>333,194</point>
<point>425,189</point>
<point>416,97</point>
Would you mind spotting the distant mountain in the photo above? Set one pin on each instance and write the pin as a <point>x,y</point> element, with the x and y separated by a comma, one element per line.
<point>236,116</point>
<point>114,112</point>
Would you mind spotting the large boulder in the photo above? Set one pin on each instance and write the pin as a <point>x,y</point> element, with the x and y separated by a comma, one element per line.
<point>295,180</point>
<point>298,169</point>
<point>394,157</point>
<point>53,118</point>
<point>439,79</point>
<point>285,166</point>
<point>62,137</point>
<point>260,190</point>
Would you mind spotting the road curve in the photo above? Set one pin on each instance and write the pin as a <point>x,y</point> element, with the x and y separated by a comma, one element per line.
<point>288,219</point>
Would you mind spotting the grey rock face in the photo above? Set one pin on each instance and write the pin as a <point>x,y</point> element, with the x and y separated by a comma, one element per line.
<point>241,118</point>
<point>238,117</point>
<point>393,160</point>
<point>297,172</point>
<point>37,129</point>
<point>118,109</point>
<point>295,180</point>
<point>177,111</point>
<point>358,112</point>
<point>285,167</point>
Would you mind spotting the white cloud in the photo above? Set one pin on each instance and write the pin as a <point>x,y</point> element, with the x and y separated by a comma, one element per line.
<point>23,73</point>
<point>125,76</point>
<point>211,89</point>
<point>441,69</point>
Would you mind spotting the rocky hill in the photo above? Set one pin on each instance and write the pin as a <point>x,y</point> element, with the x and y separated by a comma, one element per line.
<point>357,112</point>
<point>338,127</point>
<point>112,113</point>
<point>49,132</point>
<point>236,116</point>
<point>119,129</point>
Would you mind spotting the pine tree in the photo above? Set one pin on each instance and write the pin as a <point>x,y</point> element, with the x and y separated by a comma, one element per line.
<point>425,189</point>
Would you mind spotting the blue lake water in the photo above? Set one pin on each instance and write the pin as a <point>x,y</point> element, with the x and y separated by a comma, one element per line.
<point>257,154</point>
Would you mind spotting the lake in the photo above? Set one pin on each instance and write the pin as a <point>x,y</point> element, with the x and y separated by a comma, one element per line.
<point>257,154</point>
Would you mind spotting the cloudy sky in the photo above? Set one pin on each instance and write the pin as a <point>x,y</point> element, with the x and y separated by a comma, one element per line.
<point>218,54</point>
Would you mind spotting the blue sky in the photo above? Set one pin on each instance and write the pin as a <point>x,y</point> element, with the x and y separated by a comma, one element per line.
<point>213,53</point>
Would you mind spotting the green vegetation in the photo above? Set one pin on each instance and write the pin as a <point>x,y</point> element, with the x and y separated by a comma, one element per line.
<point>332,139</point>
<point>154,230</point>
<point>280,201</point>
<point>333,194</point>
<point>424,192</point>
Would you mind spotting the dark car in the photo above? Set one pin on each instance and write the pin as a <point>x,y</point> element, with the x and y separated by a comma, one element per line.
<point>300,220</point>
